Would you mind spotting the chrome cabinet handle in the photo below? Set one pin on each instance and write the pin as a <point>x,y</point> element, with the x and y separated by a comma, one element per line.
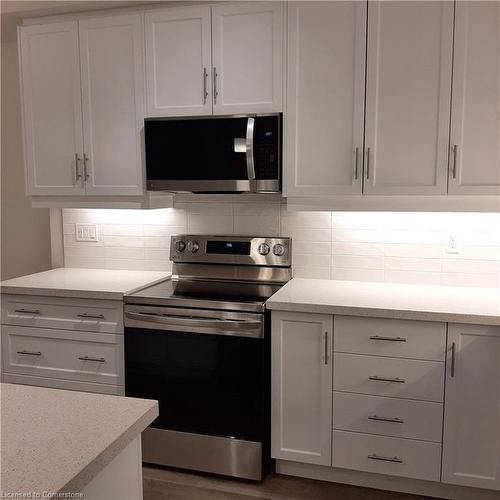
<point>90,316</point>
<point>205,90</point>
<point>85,164</point>
<point>388,339</point>
<point>87,358</point>
<point>27,311</point>
<point>454,164</point>
<point>368,152</point>
<point>395,459</point>
<point>326,348</point>
<point>30,353</point>
<point>387,379</point>
<point>395,420</point>
<point>356,164</point>
<point>78,175</point>
<point>453,349</point>
<point>216,92</point>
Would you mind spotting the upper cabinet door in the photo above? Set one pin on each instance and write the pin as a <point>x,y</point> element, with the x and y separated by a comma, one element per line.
<point>247,41</point>
<point>52,113</point>
<point>471,443</point>
<point>475,115</point>
<point>325,98</point>
<point>111,51</point>
<point>178,62</point>
<point>408,97</point>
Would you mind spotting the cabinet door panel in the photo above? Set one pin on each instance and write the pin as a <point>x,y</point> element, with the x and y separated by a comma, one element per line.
<point>325,97</point>
<point>247,56</point>
<point>475,118</point>
<point>111,51</point>
<point>471,445</point>
<point>408,97</point>
<point>178,62</point>
<point>302,387</point>
<point>52,113</point>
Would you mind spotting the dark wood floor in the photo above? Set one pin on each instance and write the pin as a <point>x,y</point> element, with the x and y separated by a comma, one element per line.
<point>166,484</point>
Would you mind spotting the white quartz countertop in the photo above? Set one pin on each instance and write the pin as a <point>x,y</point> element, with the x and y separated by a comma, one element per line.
<point>57,441</point>
<point>85,283</point>
<point>390,300</point>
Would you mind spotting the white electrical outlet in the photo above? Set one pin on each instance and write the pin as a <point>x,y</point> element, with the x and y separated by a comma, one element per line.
<point>452,245</point>
<point>86,232</point>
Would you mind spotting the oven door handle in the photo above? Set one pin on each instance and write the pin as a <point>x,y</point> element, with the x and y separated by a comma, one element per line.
<point>206,323</point>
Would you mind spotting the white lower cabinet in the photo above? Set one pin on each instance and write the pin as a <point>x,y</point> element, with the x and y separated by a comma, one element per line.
<point>471,445</point>
<point>302,387</point>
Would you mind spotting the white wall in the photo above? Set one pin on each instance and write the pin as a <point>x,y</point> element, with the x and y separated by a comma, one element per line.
<point>363,246</point>
<point>25,233</point>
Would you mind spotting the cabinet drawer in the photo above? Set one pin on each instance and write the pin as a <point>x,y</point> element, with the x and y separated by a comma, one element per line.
<point>68,385</point>
<point>80,356</point>
<point>387,455</point>
<point>390,337</point>
<point>66,313</point>
<point>393,377</point>
<point>401,418</point>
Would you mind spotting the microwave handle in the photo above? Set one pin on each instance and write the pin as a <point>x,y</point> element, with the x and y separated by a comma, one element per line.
<point>249,148</point>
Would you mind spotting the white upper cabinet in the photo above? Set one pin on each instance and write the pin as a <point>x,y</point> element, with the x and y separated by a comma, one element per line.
<point>111,54</point>
<point>408,97</point>
<point>301,387</point>
<point>475,115</point>
<point>178,60</point>
<point>52,111</point>
<point>247,50</point>
<point>325,98</point>
<point>471,445</point>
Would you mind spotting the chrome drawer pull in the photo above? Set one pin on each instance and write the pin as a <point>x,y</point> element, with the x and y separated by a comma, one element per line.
<point>395,459</point>
<point>387,379</point>
<point>87,358</point>
<point>395,420</point>
<point>27,311</point>
<point>91,316</point>
<point>389,339</point>
<point>30,353</point>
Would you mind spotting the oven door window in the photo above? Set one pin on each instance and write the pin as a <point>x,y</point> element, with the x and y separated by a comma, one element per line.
<point>208,384</point>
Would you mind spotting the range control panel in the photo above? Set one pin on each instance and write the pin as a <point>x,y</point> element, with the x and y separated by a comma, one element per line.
<point>242,250</point>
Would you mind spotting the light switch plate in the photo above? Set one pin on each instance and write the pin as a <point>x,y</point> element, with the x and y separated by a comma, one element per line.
<point>86,232</point>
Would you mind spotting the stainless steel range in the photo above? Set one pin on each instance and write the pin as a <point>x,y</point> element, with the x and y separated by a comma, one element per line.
<point>200,345</point>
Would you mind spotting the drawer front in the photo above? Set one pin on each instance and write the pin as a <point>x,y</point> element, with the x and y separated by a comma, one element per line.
<point>401,418</point>
<point>63,313</point>
<point>393,377</point>
<point>387,455</point>
<point>68,385</point>
<point>80,356</point>
<point>390,337</point>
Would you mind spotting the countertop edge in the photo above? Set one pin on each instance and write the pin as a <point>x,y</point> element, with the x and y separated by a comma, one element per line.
<point>306,307</point>
<point>75,293</point>
<point>108,454</point>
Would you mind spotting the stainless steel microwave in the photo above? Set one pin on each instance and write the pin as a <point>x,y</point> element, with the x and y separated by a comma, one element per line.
<point>214,154</point>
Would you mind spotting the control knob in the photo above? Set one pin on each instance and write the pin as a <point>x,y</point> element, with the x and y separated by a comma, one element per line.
<point>278,250</point>
<point>180,246</point>
<point>264,249</point>
<point>193,246</point>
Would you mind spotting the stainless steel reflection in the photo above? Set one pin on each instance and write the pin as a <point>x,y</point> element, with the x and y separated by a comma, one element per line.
<point>217,186</point>
<point>194,320</point>
<point>218,455</point>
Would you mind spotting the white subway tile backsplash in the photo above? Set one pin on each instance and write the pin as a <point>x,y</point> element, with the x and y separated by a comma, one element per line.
<point>366,246</point>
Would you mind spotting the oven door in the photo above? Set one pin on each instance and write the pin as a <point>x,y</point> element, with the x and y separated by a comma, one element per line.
<point>205,368</point>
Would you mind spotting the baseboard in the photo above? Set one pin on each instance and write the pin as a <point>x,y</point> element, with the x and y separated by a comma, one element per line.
<point>383,482</point>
